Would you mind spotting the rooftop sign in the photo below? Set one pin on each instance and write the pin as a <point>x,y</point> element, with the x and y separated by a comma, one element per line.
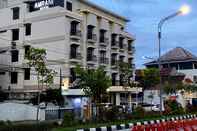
<point>42,4</point>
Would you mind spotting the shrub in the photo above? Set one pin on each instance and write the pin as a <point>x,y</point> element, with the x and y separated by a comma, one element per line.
<point>24,127</point>
<point>172,107</point>
<point>138,112</point>
<point>69,119</point>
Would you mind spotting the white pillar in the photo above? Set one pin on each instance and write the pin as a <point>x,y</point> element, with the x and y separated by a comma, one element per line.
<point>117,98</point>
<point>130,100</point>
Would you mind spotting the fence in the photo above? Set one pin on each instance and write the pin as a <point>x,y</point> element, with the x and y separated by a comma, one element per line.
<point>56,113</point>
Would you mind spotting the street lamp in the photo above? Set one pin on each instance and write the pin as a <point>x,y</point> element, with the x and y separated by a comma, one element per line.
<point>185,9</point>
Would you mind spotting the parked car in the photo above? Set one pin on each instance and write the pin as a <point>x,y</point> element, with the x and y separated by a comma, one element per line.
<point>150,107</point>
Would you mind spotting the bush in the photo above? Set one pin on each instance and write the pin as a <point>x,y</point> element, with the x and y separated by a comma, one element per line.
<point>138,112</point>
<point>69,119</point>
<point>24,127</point>
<point>172,107</point>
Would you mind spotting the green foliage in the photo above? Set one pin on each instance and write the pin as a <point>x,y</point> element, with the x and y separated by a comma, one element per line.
<point>138,112</point>
<point>51,95</point>
<point>171,87</point>
<point>190,88</point>
<point>37,59</point>
<point>150,77</point>
<point>172,107</point>
<point>94,82</point>
<point>126,73</point>
<point>24,127</point>
<point>69,119</point>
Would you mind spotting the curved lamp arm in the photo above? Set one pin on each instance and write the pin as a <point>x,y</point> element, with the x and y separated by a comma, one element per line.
<point>165,19</point>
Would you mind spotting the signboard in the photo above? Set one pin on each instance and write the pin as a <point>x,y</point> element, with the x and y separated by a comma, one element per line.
<point>43,4</point>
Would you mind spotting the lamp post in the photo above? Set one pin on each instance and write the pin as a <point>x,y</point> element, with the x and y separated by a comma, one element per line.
<point>183,10</point>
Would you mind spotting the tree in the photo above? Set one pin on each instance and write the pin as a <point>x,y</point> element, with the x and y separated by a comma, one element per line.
<point>94,82</point>
<point>150,78</point>
<point>173,84</point>
<point>125,76</point>
<point>51,95</point>
<point>125,73</point>
<point>37,60</point>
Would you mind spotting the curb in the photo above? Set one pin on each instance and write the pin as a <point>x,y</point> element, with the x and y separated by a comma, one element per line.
<point>130,125</point>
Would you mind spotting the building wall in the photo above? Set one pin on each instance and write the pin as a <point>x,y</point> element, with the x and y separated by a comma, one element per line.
<point>190,73</point>
<point>50,29</point>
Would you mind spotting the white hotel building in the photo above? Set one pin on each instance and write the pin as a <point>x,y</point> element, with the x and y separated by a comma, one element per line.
<point>72,32</point>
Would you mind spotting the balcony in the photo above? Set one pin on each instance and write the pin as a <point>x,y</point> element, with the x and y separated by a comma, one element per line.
<point>114,44</point>
<point>104,41</point>
<point>114,64</point>
<point>131,50</point>
<point>91,38</point>
<point>115,82</point>
<point>75,57</point>
<point>75,34</point>
<point>103,60</point>
<point>91,59</point>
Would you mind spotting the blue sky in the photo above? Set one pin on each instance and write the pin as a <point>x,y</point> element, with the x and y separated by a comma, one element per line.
<point>180,31</point>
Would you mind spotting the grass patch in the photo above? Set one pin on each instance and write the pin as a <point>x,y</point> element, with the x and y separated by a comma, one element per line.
<point>95,125</point>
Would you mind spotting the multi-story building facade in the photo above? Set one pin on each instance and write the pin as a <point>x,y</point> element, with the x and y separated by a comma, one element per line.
<point>72,32</point>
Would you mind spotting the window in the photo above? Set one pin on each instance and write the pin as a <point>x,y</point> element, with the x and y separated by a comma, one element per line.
<point>27,29</point>
<point>69,6</point>
<point>90,32</point>
<point>113,59</point>
<point>102,35</point>
<point>14,54</point>
<point>114,79</point>
<point>16,12</point>
<point>14,77</point>
<point>2,73</point>
<point>27,74</point>
<point>72,75</point>
<point>15,34</point>
<point>27,49</point>
<point>3,31</point>
<point>73,28</point>
<point>121,39</point>
<point>113,39</point>
<point>73,51</point>
<point>121,58</point>
<point>90,53</point>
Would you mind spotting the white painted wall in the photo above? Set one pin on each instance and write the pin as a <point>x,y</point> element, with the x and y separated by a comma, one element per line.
<point>189,73</point>
<point>19,112</point>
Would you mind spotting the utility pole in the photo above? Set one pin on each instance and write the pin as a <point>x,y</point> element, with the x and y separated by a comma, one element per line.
<point>60,91</point>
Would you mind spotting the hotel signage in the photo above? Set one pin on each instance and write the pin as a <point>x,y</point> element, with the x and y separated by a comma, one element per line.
<point>42,4</point>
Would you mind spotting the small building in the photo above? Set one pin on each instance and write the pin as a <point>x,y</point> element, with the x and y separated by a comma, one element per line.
<point>185,64</point>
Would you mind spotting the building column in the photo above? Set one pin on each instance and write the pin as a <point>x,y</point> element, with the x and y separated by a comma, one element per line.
<point>193,66</point>
<point>129,100</point>
<point>117,98</point>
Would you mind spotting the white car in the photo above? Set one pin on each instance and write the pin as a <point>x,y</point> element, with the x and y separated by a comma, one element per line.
<point>150,107</point>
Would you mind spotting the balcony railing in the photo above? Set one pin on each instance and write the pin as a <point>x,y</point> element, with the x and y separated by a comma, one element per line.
<point>92,37</point>
<point>114,62</point>
<point>103,60</point>
<point>75,33</point>
<point>104,41</point>
<point>115,83</point>
<point>76,56</point>
<point>114,44</point>
<point>92,58</point>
